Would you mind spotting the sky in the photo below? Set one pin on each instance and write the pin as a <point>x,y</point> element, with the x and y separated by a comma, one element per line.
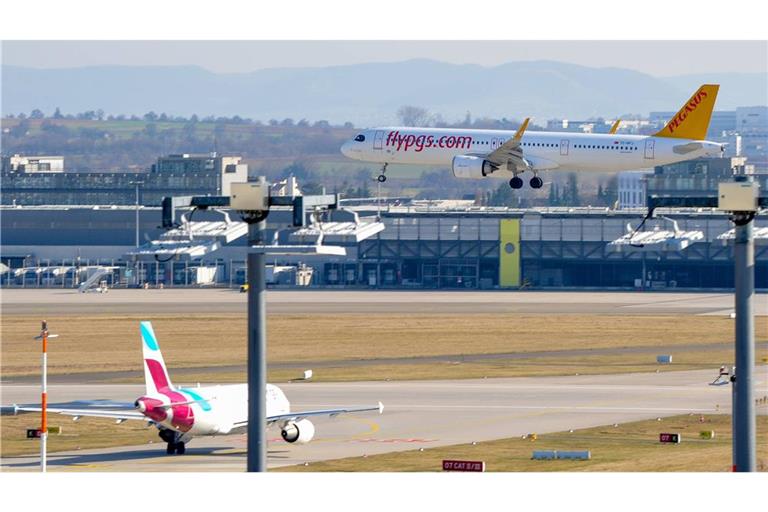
<point>658,58</point>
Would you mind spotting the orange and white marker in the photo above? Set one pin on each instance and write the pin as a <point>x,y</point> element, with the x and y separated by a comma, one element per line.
<point>44,397</point>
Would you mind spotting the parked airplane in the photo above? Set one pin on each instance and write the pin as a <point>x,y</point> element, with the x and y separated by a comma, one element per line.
<point>476,154</point>
<point>183,413</point>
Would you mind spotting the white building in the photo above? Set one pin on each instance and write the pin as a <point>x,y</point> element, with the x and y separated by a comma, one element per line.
<point>632,189</point>
<point>19,163</point>
<point>752,119</point>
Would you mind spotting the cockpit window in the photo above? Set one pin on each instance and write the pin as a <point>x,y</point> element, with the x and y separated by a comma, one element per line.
<point>360,138</point>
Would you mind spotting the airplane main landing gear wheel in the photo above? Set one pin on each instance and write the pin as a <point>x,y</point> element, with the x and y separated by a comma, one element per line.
<point>536,182</point>
<point>516,182</point>
<point>178,448</point>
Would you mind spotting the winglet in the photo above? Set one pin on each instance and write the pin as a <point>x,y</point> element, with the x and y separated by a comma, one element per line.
<point>13,410</point>
<point>615,127</point>
<point>381,407</point>
<point>521,130</point>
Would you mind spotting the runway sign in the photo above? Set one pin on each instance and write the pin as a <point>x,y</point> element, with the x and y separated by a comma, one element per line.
<point>574,455</point>
<point>464,465</point>
<point>669,438</point>
<point>707,434</point>
<point>561,455</point>
<point>33,433</point>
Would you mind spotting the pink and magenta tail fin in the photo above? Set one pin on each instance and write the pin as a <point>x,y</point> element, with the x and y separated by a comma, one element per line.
<point>155,372</point>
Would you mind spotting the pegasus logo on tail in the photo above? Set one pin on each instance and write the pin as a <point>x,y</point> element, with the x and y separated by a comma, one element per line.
<point>692,120</point>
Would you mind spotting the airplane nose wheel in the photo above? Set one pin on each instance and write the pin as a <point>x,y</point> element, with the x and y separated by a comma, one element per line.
<point>382,178</point>
<point>516,182</point>
<point>536,182</point>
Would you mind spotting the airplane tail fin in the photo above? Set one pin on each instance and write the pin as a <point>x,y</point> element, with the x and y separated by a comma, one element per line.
<point>692,121</point>
<point>155,372</point>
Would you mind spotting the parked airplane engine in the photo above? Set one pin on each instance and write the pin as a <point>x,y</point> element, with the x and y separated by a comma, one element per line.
<point>471,167</point>
<point>300,432</point>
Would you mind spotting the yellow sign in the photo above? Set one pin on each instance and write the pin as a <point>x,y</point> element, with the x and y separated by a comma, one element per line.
<point>707,434</point>
<point>509,253</point>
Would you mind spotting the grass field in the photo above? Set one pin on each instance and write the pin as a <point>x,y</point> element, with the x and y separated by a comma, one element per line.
<point>627,447</point>
<point>104,343</point>
<point>529,367</point>
<point>83,434</point>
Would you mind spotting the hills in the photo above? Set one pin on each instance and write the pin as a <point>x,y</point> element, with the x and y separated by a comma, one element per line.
<point>369,94</point>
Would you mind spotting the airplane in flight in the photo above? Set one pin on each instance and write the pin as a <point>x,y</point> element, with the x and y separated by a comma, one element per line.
<point>183,413</point>
<point>477,154</point>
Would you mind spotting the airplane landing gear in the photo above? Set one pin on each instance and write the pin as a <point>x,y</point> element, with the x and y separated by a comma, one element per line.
<point>178,448</point>
<point>536,182</point>
<point>173,444</point>
<point>516,182</point>
<point>382,178</point>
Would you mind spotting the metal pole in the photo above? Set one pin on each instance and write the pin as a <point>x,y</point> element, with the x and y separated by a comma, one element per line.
<point>744,405</point>
<point>257,352</point>
<point>137,183</point>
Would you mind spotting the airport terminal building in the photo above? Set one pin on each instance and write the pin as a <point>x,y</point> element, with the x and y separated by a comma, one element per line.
<point>420,247</point>
<point>428,245</point>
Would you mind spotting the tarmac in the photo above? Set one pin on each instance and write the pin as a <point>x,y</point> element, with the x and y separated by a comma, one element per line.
<point>418,414</point>
<point>217,300</point>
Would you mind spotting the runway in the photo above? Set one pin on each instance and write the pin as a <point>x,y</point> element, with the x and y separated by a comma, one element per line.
<point>186,300</point>
<point>417,414</point>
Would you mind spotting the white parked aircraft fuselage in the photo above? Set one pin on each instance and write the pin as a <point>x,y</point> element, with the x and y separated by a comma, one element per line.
<point>211,410</point>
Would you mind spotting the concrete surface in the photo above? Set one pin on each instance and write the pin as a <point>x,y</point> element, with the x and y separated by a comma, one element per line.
<point>417,414</point>
<point>210,300</point>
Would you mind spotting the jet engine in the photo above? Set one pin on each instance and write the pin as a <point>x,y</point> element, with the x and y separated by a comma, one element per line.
<point>152,408</point>
<point>471,167</point>
<point>300,432</point>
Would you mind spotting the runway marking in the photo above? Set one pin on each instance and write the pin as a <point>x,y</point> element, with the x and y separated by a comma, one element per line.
<point>486,384</point>
<point>374,427</point>
<point>393,441</point>
<point>552,407</point>
<point>656,302</point>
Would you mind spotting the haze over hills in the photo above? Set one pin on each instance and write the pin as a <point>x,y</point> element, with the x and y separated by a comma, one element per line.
<point>369,94</point>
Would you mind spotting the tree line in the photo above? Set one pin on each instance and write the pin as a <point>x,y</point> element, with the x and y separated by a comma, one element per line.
<point>162,117</point>
<point>93,146</point>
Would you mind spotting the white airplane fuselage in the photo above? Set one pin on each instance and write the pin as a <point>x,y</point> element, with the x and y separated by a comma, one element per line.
<point>209,410</point>
<point>562,151</point>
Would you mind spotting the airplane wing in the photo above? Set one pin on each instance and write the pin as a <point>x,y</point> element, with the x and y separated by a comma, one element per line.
<point>299,415</point>
<point>131,414</point>
<point>510,154</point>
